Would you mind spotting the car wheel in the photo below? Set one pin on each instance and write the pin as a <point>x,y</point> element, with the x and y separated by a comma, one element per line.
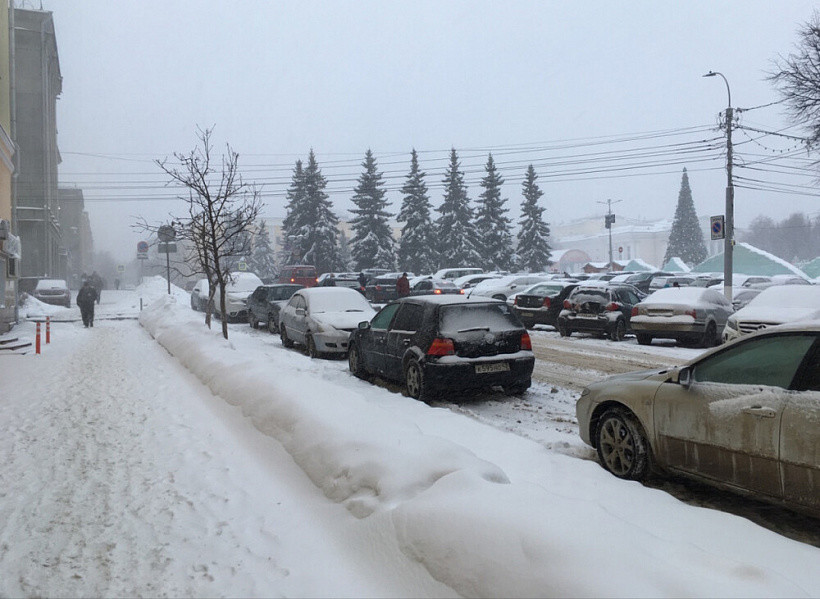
<point>272,328</point>
<point>252,321</point>
<point>644,339</point>
<point>414,380</point>
<point>519,388</point>
<point>311,347</point>
<point>354,362</point>
<point>618,332</point>
<point>709,335</point>
<point>283,335</point>
<point>564,330</point>
<point>622,445</point>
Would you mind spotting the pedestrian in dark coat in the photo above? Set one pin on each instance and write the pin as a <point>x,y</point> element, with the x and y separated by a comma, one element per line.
<point>85,300</point>
<point>403,285</point>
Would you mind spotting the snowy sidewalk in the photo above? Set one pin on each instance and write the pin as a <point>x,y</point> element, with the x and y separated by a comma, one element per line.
<point>123,476</point>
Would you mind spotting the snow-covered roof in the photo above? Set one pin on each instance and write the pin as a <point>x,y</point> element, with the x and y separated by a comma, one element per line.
<point>748,259</point>
<point>637,264</point>
<point>675,264</point>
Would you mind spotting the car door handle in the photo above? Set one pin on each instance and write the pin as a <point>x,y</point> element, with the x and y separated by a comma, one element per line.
<point>760,411</point>
<point>405,342</point>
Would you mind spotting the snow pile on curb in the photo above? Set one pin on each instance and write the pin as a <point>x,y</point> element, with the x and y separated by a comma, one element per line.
<point>581,533</point>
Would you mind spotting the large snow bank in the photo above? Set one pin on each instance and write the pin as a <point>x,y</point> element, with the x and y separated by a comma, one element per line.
<point>487,513</point>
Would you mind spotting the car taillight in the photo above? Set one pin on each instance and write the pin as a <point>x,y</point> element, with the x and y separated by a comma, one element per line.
<point>461,291</point>
<point>441,347</point>
<point>634,310</point>
<point>526,342</point>
<point>292,280</point>
<point>613,307</point>
<point>436,291</point>
<point>547,302</point>
<point>378,287</point>
<point>515,301</point>
<point>692,313</point>
<point>567,305</point>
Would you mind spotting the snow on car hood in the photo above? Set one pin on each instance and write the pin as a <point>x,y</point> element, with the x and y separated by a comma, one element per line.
<point>343,320</point>
<point>775,314</point>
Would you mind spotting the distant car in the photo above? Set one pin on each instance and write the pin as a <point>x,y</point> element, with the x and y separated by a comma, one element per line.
<point>505,286</point>
<point>741,417</point>
<point>743,296</point>
<point>693,314</point>
<point>236,296</point>
<point>298,274</point>
<point>382,289</point>
<point>467,281</point>
<point>455,273</point>
<point>322,318</point>
<point>671,281</point>
<point>199,295</point>
<point>604,309</point>
<point>265,303</point>
<point>340,279</point>
<point>778,280</point>
<point>53,291</point>
<point>450,343</point>
<point>642,280</point>
<point>541,303</point>
<point>431,286</point>
<point>775,305</point>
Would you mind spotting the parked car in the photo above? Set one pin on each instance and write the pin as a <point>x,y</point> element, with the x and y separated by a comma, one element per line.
<point>605,309</point>
<point>53,291</point>
<point>741,417</point>
<point>382,289</point>
<point>642,280</point>
<point>340,279</point>
<point>454,273</point>
<point>505,286</point>
<point>467,281</point>
<point>438,343</point>
<point>236,295</point>
<point>693,314</point>
<point>671,281</point>
<point>265,303</point>
<point>431,286</point>
<point>541,303</point>
<point>773,306</point>
<point>298,274</point>
<point>779,280</point>
<point>741,297</point>
<point>322,318</point>
<point>199,295</point>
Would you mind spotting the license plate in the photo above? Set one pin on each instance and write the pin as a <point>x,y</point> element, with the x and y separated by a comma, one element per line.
<point>588,316</point>
<point>527,314</point>
<point>492,367</point>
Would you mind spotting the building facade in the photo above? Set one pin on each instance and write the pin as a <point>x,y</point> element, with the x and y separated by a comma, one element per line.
<point>77,242</point>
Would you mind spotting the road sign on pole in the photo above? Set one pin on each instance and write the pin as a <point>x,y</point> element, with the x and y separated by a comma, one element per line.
<point>142,247</point>
<point>716,226</point>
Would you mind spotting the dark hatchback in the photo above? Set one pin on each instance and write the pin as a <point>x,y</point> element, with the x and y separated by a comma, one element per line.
<point>438,343</point>
<point>541,303</point>
<point>265,303</point>
<point>382,289</point>
<point>604,309</point>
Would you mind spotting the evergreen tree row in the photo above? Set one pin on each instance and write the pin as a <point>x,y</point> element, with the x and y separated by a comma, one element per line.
<point>461,235</point>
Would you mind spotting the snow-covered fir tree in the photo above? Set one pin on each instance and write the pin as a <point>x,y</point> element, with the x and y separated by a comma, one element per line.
<point>416,251</point>
<point>345,258</point>
<point>295,218</point>
<point>372,244</point>
<point>492,226</point>
<point>319,234</point>
<point>533,236</point>
<point>454,227</point>
<point>686,238</point>
<point>262,260</point>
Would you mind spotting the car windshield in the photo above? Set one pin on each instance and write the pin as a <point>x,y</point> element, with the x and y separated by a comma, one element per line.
<point>473,317</point>
<point>339,299</point>
<point>51,284</point>
<point>582,296</point>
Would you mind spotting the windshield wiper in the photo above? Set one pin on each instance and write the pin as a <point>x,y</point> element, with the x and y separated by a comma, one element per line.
<point>474,329</point>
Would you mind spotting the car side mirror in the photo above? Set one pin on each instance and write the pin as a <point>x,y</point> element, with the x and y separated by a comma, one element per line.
<point>364,325</point>
<point>685,377</point>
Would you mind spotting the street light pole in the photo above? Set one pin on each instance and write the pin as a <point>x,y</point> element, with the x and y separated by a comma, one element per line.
<point>609,221</point>
<point>729,225</point>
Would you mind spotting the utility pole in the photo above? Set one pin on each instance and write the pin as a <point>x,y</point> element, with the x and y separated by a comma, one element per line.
<point>729,225</point>
<point>609,220</point>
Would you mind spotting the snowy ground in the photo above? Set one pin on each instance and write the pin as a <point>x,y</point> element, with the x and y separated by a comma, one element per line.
<point>186,465</point>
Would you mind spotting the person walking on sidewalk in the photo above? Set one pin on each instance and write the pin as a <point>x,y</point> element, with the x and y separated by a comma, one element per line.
<point>85,300</point>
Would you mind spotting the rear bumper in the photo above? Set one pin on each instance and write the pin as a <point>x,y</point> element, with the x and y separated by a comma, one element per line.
<point>531,316</point>
<point>463,375</point>
<point>668,330</point>
<point>594,323</point>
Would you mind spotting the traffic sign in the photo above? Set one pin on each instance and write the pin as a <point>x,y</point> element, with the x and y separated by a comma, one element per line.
<point>716,225</point>
<point>242,265</point>
<point>166,233</point>
<point>142,247</point>
<point>120,267</point>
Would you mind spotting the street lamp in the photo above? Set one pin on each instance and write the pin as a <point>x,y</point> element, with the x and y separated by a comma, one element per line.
<point>729,225</point>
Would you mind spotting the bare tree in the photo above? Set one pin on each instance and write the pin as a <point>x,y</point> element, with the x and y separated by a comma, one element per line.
<point>221,209</point>
<point>797,77</point>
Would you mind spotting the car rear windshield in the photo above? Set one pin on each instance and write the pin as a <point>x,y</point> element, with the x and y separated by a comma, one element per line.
<point>582,296</point>
<point>473,317</point>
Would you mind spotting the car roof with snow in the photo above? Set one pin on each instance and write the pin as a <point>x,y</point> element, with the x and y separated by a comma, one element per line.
<point>446,300</point>
<point>51,284</point>
<point>683,295</point>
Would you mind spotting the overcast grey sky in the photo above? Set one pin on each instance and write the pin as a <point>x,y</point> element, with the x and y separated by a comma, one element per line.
<point>529,81</point>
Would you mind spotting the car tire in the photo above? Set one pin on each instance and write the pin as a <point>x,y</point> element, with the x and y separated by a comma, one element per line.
<point>519,388</point>
<point>283,335</point>
<point>311,347</point>
<point>564,330</point>
<point>414,380</point>
<point>354,362</point>
<point>622,445</point>
<point>644,339</point>
<point>272,326</point>
<point>618,332</point>
<point>252,321</point>
<point>710,335</point>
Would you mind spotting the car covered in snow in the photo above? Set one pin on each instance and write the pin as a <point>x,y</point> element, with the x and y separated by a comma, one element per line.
<point>199,295</point>
<point>692,314</point>
<point>444,343</point>
<point>742,417</point>
<point>265,303</point>
<point>455,273</point>
<point>53,291</point>
<point>467,281</point>
<point>773,306</point>
<point>505,286</point>
<point>322,318</point>
<point>237,291</point>
<point>541,303</point>
<point>433,286</point>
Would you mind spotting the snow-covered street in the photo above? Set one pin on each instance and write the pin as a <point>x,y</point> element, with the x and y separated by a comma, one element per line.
<point>152,457</point>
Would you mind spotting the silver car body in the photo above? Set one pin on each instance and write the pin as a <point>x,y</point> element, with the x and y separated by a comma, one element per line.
<point>775,305</point>
<point>682,313</point>
<point>505,286</point>
<point>236,294</point>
